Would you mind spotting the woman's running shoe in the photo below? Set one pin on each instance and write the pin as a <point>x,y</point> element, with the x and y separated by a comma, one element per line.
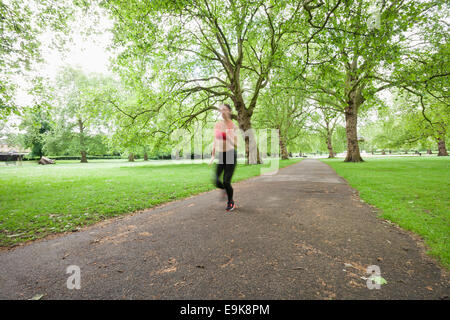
<point>231,206</point>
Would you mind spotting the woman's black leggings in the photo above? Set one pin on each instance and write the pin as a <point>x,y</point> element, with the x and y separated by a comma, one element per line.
<point>227,163</point>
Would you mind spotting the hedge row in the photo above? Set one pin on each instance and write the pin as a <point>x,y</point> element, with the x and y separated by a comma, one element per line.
<point>29,158</point>
<point>71,157</point>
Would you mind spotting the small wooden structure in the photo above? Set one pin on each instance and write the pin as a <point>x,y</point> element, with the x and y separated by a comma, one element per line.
<point>12,154</point>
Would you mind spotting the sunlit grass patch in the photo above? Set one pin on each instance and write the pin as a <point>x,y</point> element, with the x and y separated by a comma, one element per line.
<point>39,200</point>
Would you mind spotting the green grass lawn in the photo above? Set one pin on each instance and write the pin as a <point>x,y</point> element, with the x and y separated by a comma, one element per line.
<point>39,200</point>
<point>411,192</point>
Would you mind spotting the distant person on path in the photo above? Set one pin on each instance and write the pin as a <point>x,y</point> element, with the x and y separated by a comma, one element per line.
<point>225,142</point>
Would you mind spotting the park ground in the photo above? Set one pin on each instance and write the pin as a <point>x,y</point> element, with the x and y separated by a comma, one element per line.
<point>413,192</point>
<point>36,201</point>
<point>302,233</point>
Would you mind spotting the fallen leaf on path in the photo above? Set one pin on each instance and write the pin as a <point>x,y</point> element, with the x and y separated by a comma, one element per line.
<point>354,284</point>
<point>179,283</point>
<point>378,280</point>
<point>37,297</point>
<point>228,263</point>
<point>167,270</point>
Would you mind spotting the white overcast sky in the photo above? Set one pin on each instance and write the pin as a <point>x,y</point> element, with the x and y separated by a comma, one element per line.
<point>89,52</point>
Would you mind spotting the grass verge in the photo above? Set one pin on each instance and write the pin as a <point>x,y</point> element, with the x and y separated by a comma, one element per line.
<point>411,192</point>
<point>36,201</point>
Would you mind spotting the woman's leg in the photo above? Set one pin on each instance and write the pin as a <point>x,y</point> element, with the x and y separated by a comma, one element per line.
<point>227,181</point>
<point>219,169</point>
<point>228,174</point>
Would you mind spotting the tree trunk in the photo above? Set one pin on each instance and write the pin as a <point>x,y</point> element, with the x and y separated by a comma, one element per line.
<point>351,122</point>
<point>146,156</point>
<point>45,160</point>
<point>131,157</point>
<point>330,146</point>
<point>284,152</point>
<point>429,151</point>
<point>252,155</point>
<point>83,157</point>
<point>82,145</point>
<point>383,152</point>
<point>442,150</point>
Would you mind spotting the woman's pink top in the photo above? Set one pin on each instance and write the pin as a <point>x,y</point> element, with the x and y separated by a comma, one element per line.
<point>220,134</point>
<point>226,141</point>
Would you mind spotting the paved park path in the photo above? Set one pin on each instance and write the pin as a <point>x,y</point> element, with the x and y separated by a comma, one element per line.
<point>300,234</point>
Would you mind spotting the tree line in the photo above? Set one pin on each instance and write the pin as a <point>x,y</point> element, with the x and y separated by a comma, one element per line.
<point>313,70</point>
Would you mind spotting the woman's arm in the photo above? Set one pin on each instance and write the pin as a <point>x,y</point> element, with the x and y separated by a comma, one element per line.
<point>213,153</point>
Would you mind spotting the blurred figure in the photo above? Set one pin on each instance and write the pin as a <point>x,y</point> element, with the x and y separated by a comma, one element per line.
<point>225,143</point>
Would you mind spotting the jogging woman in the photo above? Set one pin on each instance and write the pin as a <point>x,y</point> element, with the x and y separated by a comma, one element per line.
<point>225,143</point>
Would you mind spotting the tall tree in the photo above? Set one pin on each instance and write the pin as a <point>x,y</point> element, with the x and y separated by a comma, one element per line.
<point>285,111</point>
<point>324,122</point>
<point>210,51</point>
<point>35,124</point>
<point>424,76</point>
<point>78,103</point>
<point>359,48</point>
